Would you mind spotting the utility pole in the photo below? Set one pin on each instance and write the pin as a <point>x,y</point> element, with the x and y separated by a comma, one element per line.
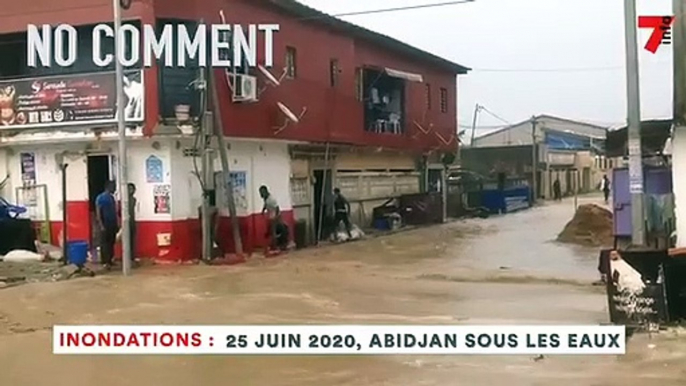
<point>679,134</point>
<point>477,109</point>
<point>207,176</point>
<point>534,160</point>
<point>634,124</point>
<point>121,125</point>
<point>223,154</point>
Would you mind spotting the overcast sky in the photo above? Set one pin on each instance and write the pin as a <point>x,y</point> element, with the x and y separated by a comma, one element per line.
<point>507,36</point>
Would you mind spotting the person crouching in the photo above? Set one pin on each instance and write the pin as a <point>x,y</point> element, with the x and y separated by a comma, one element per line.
<point>275,224</point>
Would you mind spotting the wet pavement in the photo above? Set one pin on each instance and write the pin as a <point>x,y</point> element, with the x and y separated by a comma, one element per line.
<point>505,269</point>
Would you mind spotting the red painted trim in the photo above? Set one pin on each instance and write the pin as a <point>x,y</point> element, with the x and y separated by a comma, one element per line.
<point>186,235</point>
<point>253,232</point>
<point>77,229</point>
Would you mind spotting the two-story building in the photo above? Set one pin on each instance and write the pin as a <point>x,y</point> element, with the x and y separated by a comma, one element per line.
<point>377,118</point>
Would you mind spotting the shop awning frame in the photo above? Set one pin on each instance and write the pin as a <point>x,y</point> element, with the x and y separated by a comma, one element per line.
<point>404,75</point>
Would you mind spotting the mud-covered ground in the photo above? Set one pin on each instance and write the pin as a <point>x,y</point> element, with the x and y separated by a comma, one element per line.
<point>499,270</point>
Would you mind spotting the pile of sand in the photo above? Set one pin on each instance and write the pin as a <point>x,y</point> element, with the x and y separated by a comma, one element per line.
<point>591,225</point>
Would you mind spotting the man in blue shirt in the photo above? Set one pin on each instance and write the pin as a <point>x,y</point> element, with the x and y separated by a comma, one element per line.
<point>106,211</point>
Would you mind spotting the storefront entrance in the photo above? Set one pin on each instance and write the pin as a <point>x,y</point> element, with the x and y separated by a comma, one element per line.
<point>99,171</point>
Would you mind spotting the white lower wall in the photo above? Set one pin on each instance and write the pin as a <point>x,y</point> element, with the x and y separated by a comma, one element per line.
<point>264,163</point>
<point>48,173</point>
<point>679,183</point>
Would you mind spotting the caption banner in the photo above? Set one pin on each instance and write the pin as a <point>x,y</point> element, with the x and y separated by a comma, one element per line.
<point>338,340</point>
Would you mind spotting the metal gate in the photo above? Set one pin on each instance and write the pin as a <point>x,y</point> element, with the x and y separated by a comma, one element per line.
<point>35,199</point>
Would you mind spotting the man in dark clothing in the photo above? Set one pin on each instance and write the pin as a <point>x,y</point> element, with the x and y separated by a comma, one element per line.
<point>557,191</point>
<point>342,208</point>
<point>282,236</point>
<point>212,213</point>
<point>106,213</point>
<point>606,188</point>
<point>133,204</point>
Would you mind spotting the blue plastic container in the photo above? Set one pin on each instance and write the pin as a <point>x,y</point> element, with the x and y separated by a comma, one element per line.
<point>77,252</point>
<point>382,224</point>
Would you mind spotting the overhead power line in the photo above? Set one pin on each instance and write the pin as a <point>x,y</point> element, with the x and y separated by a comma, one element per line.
<point>563,69</point>
<point>581,69</point>
<point>485,127</point>
<point>405,8</point>
<point>489,112</point>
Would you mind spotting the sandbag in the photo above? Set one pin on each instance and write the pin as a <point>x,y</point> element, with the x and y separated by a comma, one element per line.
<point>21,256</point>
<point>341,235</point>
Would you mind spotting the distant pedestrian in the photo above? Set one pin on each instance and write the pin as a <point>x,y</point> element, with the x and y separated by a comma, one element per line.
<point>133,204</point>
<point>342,208</point>
<point>606,188</point>
<point>106,213</point>
<point>557,190</point>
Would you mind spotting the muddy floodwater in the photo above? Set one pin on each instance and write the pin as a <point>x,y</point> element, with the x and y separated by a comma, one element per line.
<point>501,270</point>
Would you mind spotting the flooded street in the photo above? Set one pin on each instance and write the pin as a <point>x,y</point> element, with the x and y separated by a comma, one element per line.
<point>501,270</point>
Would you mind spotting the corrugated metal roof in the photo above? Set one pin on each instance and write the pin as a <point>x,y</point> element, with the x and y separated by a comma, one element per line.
<point>654,135</point>
<point>545,116</point>
<point>312,15</point>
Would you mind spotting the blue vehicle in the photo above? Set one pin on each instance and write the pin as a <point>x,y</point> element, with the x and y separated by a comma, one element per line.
<point>9,211</point>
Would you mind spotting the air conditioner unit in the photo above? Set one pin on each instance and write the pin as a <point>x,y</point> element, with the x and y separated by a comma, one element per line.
<point>244,88</point>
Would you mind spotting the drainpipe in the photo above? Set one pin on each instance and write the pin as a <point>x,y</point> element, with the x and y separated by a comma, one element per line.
<point>65,258</point>
<point>444,192</point>
<point>534,161</point>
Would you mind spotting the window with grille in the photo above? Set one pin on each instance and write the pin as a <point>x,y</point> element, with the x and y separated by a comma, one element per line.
<point>428,96</point>
<point>444,100</point>
<point>334,70</point>
<point>291,57</point>
<point>359,84</point>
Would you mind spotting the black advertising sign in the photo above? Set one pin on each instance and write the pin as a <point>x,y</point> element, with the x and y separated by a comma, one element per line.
<point>635,286</point>
<point>69,100</point>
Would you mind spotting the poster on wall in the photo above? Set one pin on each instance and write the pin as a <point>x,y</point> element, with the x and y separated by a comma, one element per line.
<point>28,178</point>
<point>28,168</point>
<point>154,170</point>
<point>162,199</point>
<point>635,175</point>
<point>240,191</point>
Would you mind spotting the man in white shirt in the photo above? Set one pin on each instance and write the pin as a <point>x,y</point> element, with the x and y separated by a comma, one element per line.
<point>605,187</point>
<point>271,208</point>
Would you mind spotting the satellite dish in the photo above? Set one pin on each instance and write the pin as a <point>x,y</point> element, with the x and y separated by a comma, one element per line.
<point>290,116</point>
<point>269,75</point>
<point>287,112</point>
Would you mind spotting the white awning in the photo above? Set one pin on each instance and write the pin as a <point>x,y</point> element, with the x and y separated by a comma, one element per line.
<point>404,75</point>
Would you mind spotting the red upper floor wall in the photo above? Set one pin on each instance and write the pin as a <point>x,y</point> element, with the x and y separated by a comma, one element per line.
<point>333,113</point>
